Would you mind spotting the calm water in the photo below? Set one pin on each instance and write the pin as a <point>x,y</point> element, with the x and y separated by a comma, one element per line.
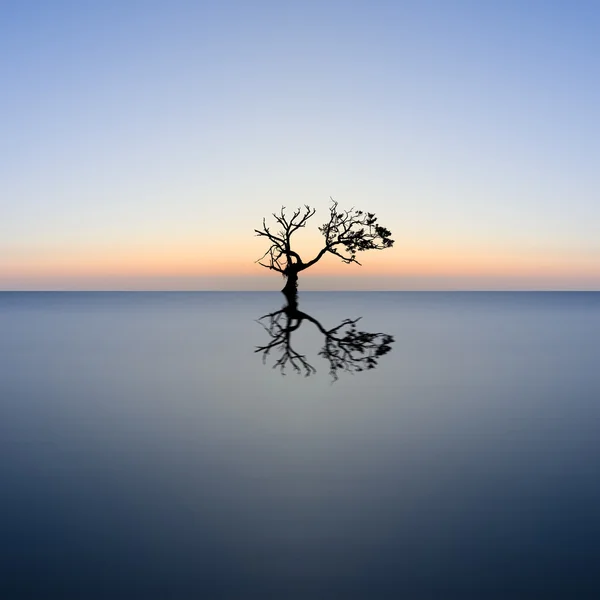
<point>147,452</point>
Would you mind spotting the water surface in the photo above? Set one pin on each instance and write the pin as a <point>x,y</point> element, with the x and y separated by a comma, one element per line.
<point>147,452</point>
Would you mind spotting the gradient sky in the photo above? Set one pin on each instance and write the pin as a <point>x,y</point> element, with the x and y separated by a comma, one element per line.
<point>141,142</point>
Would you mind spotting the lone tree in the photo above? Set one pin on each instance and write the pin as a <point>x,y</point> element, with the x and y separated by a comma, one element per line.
<point>346,233</point>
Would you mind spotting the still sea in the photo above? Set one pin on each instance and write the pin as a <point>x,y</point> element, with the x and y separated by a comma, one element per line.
<point>179,446</point>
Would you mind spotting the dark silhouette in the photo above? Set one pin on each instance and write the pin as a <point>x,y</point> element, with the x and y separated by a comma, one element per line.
<point>345,348</point>
<point>346,233</point>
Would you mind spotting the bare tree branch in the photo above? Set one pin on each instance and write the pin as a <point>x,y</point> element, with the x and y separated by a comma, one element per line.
<point>346,233</point>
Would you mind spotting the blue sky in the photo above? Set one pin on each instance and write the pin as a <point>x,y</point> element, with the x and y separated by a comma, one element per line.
<point>142,142</point>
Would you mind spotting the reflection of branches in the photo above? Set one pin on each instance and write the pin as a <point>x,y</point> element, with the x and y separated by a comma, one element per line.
<point>280,327</point>
<point>345,348</point>
<point>354,351</point>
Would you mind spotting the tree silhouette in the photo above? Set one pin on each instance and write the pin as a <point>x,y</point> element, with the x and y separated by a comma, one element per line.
<point>346,233</point>
<point>344,348</point>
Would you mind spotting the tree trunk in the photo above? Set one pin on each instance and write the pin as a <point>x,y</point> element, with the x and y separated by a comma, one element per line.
<point>290,289</point>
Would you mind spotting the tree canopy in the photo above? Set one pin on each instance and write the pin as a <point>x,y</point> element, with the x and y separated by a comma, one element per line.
<point>346,233</point>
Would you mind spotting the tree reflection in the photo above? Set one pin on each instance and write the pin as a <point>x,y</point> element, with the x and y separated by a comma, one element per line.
<point>345,347</point>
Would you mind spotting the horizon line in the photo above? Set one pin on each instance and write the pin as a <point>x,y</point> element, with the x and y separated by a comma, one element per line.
<point>311,291</point>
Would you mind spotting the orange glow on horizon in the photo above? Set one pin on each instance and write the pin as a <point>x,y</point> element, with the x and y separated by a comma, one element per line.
<point>195,261</point>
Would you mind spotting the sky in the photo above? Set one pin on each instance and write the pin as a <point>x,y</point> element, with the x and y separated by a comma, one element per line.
<point>142,141</point>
